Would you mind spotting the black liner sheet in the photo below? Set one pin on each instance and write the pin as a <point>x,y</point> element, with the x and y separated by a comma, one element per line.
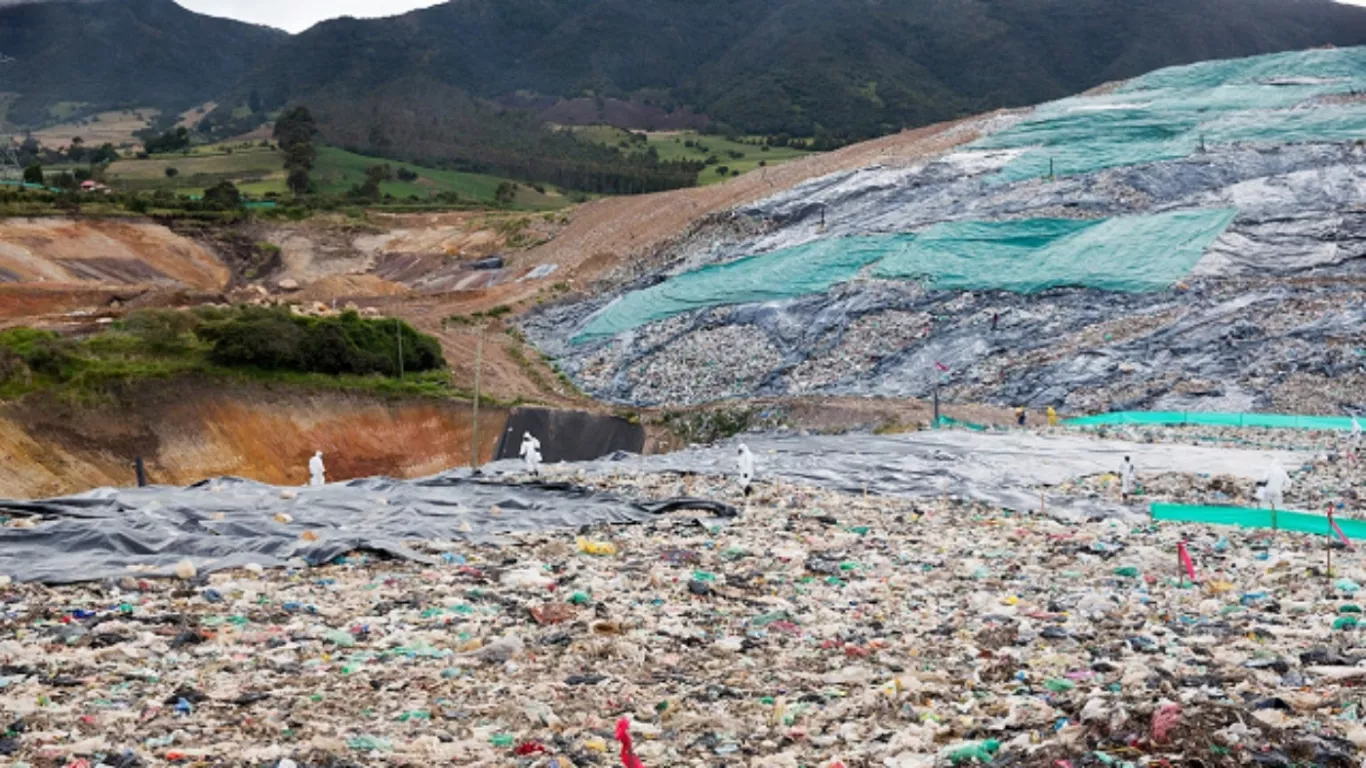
<point>230,522</point>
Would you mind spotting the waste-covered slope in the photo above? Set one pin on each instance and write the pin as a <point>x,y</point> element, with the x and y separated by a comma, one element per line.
<point>1189,240</point>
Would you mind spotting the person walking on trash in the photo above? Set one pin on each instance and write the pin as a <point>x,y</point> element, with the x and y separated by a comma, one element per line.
<point>317,473</point>
<point>1052,417</point>
<point>1128,478</point>
<point>746,466</point>
<point>1272,490</point>
<point>1020,416</point>
<point>531,454</point>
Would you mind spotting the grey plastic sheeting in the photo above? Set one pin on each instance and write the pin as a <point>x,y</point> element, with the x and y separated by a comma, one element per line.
<point>1007,469</point>
<point>230,522</point>
<point>1302,213</point>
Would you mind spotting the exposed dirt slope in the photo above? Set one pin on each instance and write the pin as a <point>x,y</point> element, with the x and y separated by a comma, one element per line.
<point>605,233</point>
<point>65,272</point>
<point>189,431</point>
<point>103,252</point>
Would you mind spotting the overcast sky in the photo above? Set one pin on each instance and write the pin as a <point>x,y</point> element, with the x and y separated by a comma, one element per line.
<point>298,15</point>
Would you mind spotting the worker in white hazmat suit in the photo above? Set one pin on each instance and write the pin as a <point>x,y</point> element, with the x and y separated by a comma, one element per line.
<point>531,454</point>
<point>1356,432</point>
<point>1273,487</point>
<point>1128,478</point>
<point>317,473</point>
<point>745,462</point>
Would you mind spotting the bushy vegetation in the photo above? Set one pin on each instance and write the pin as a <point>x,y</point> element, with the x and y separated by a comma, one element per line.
<point>66,197</point>
<point>345,351</point>
<point>444,127</point>
<point>170,141</point>
<point>274,339</point>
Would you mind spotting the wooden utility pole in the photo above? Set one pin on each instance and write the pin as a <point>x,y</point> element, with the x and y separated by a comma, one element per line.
<point>478,369</point>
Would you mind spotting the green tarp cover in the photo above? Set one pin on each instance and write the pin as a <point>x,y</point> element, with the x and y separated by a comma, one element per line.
<point>1168,114</point>
<point>1295,522</point>
<point>1176,418</point>
<point>788,273</point>
<point>1132,253</point>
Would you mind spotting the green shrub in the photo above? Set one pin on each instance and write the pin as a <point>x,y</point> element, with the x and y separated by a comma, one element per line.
<point>42,351</point>
<point>260,338</point>
<point>13,367</point>
<point>274,339</point>
<point>162,330</point>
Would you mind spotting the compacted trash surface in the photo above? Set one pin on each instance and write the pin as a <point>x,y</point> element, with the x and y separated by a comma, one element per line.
<point>816,629</point>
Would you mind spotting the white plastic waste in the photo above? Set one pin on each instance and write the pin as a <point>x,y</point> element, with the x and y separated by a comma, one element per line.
<point>531,453</point>
<point>1356,431</point>
<point>317,473</point>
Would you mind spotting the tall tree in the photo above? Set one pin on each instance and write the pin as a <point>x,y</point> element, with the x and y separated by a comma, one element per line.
<point>295,127</point>
<point>294,131</point>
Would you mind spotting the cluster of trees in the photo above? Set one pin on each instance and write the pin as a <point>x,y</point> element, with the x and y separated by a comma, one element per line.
<point>171,141</point>
<point>294,132</point>
<point>374,176</point>
<point>224,195</point>
<point>436,125</point>
<point>274,339</point>
<point>228,120</point>
<point>33,156</point>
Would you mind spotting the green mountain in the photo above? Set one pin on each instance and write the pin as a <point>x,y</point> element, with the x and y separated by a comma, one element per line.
<point>469,84</point>
<point>121,53</point>
<point>852,68</point>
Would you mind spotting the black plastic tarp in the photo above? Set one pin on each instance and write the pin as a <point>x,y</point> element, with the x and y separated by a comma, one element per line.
<point>570,435</point>
<point>230,522</point>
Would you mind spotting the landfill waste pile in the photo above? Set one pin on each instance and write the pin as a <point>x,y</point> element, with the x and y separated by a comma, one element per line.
<point>820,627</point>
<point>1015,470</point>
<point>1189,240</point>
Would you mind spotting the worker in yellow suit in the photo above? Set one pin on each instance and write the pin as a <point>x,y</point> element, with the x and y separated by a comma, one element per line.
<point>1052,417</point>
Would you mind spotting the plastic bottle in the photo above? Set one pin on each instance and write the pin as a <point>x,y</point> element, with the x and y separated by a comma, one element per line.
<point>973,751</point>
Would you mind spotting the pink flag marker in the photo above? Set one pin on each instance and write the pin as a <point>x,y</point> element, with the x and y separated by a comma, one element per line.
<point>1333,524</point>
<point>1185,559</point>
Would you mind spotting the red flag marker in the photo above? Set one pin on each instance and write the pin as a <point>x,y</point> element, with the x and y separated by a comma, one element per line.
<point>1185,559</point>
<point>628,752</point>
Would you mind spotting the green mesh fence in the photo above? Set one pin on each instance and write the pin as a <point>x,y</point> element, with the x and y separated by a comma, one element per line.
<point>1132,253</point>
<point>1171,113</point>
<point>948,422</point>
<point>1295,522</point>
<point>791,272</point>
<point>1177,418</point>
